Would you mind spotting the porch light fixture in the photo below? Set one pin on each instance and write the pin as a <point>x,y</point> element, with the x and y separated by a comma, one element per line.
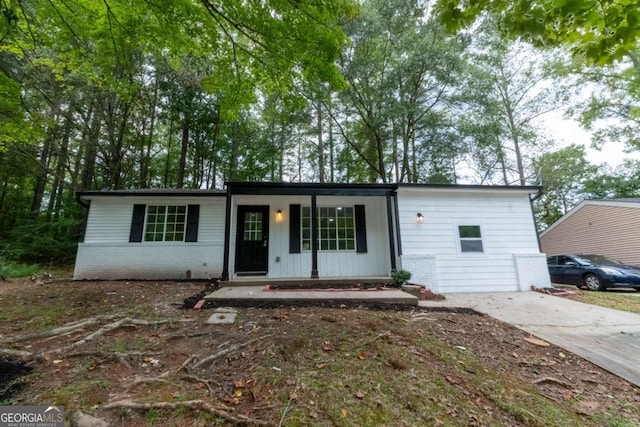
<point>279,214</point>
<point>420,218</point>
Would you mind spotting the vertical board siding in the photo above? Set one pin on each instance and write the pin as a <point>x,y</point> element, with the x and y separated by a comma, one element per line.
<point>507,228</point>
<point>107,254</point>
<point>613,231</point>
<point>282,264</point>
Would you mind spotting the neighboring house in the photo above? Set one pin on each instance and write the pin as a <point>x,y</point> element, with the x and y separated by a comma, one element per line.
<point>609,227</point>
<point>453,238</point>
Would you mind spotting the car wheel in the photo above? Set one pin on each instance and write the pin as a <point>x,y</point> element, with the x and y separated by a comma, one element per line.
<point>593,282</point>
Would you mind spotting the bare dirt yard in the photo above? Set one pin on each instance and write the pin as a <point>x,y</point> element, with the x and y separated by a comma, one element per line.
<point>129,353</point>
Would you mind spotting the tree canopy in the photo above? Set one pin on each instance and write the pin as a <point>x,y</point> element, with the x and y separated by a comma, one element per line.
<point>601,31</point>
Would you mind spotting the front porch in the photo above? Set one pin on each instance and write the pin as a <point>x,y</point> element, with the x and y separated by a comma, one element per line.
<point>308,283</point>
<point>259,295</point>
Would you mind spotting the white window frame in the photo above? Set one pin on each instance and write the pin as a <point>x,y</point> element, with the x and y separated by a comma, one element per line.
<point>461,239</point>
<point>338,238</point>
<point>180,220</point>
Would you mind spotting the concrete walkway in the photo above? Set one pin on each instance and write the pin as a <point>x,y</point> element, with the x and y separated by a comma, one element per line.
<point>608,338</point>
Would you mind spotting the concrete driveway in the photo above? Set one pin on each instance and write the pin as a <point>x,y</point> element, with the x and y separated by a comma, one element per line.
<point>608,338</point>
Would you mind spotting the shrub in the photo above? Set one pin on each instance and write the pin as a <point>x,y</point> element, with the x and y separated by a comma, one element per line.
<point>43,242</point>
<point>12,269</point>
<point>400,277</point>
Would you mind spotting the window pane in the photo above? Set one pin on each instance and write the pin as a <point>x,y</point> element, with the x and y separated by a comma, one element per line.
<point>471,245</point>
<point>336,228</point>
<point>165,223</point>
<point>469,231</point>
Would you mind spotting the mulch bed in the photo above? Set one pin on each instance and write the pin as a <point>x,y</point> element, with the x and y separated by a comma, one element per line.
<point>10,372</point>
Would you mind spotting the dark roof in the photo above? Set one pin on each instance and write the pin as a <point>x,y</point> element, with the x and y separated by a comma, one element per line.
<point>296,188</point>
<point>532,188</point>
<point>301,188</point>
<point>153,192</point>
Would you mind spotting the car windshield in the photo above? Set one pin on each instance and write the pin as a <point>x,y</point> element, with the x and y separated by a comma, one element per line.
<point>595,260</point>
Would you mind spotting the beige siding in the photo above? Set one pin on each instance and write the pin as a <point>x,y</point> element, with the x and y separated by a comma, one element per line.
<point>613,231</point>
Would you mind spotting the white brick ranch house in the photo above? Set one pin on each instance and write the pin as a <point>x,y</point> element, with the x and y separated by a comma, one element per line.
<point>453,238</point>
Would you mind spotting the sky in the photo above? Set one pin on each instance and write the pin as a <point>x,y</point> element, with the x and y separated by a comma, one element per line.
<point>567,132</point>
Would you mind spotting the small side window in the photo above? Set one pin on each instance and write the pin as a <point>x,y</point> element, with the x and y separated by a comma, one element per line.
<point>551,260</point>
<point>470,238</point>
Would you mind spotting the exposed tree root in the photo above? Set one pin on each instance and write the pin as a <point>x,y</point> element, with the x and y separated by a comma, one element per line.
<point>69,327</point>
<point>25,356</point>
<point>552,381</point>
<point>127,321</point>
<point>195,379</point>
<point>200,405</point>
<point>228,351</point>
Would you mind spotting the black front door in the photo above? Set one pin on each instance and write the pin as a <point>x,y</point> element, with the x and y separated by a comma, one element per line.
<point>252,240</point>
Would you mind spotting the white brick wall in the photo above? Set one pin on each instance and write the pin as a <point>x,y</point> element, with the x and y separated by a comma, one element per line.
<point>423,269</point>
<point>106,253</point>
<point>532,271</point>
<point>148,261</point>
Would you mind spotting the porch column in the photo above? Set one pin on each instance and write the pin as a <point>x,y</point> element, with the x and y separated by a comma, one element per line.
<point>314,237</point>
<point>227,239</point>
<point>392,243</point>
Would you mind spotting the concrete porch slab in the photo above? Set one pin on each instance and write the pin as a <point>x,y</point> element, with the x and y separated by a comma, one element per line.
<point>259,294</point>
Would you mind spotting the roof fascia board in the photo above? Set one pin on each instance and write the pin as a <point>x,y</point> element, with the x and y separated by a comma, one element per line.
<point>439,188</point>
<point>87,195</point>
<point>265,188</point>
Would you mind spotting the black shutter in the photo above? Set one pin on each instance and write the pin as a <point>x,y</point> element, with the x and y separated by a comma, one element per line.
<point>361,229</point>
<point>137,223</point>
<point>193,217</point>
<point>294,229</point>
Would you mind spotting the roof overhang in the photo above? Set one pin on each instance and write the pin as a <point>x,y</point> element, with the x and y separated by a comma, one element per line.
<point>526,189</point>
<point>319,189</point>
<point>89,195</point>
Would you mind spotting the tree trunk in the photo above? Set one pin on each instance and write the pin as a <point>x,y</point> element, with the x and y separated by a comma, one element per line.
<point>58,178</point>
<point>41,179</point>
<point>235,149</point>
<point>183,153</point>
<point>91,150</point>
<point>320,144</point>
<point>167,163</point>
<point>332,154</point>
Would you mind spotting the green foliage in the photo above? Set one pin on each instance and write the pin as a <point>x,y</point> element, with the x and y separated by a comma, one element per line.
<point>623,182</point>
<point>564,174</point>
<point>400,277</point>
<point>507,87</point>
<point>400,68</point>
<point>601,31</point>
<point>10,269</point>
<point>51,242</point>
<point>612,112</point>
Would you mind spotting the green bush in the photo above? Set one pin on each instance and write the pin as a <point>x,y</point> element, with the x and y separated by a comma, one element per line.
<point>43,242</point>
<point>400,277</point>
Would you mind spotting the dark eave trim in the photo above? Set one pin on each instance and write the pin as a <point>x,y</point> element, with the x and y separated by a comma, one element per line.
<point>151,193</point>
<point>529,188</point>
<point>319,189</point>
